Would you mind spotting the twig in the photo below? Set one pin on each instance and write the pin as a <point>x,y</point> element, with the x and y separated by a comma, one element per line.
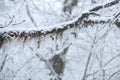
<point>3,63</point>
<point>86,68</point>
<point>106,5</point>
<point>30,16</point>
<point>18,23</point>
<point>21,67</point>
<point>112,59</point>
<point>88,61</point>
<point>113,74</point>
<point>90,54</point>
<point>8,23</point>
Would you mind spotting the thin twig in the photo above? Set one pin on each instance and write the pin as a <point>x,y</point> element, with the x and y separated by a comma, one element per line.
<point>8,23</point>
<point>88,61</point>
<point>3,63</point>
<point>112,59</point>
<point>90,54</point>
<point>86,68</point>
<point>30,16</point>
<point>113,74</point>
<point>18,23</point>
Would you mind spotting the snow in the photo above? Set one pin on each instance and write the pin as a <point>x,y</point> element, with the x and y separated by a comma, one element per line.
<point>99,40</point>
<point>23,63</point>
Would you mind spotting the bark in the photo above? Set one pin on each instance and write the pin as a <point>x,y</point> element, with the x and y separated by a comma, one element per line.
<point>77,23</point>
<point>55,35</point>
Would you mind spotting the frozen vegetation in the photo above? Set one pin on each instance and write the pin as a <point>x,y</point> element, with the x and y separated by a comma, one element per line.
<point>59,40</point>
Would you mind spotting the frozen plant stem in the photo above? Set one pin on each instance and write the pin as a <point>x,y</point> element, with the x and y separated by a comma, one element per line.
<point>30,16</point>
<point>88,61</point>
<point>89,57</point>
<point>3,63</point>
<point>113,74</point>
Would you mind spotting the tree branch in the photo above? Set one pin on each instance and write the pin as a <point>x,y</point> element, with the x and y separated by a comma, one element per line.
<point>80,22</point>
<point>106,5</point>
<point>30,16</point>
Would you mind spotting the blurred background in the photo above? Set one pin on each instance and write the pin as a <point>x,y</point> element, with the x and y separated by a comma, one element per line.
<point>42,13</point>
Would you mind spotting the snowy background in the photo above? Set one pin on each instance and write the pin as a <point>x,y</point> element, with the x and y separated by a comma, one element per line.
<point>93,50</point>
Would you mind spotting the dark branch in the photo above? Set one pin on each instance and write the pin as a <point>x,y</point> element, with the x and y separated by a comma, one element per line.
<point>106,5</point>
<point>3,63</point>
<point>82,20</point>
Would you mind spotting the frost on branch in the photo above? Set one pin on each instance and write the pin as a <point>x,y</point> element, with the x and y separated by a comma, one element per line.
<point>86,48</point>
